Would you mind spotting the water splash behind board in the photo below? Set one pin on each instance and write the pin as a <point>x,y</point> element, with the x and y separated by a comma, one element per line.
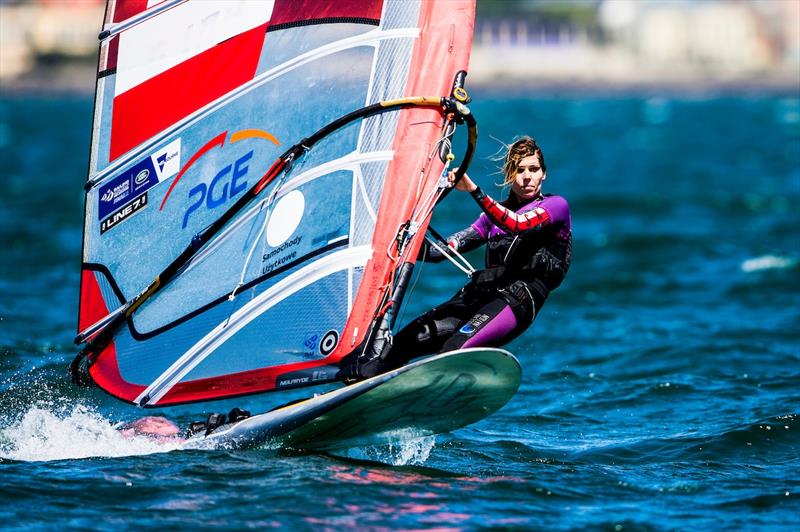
<point>46,434</point>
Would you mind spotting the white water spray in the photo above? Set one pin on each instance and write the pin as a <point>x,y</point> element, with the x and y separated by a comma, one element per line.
<point>409,449</point>
<point>42,434</point>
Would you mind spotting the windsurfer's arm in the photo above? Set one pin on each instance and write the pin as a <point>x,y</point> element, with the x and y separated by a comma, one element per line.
<point>507,219</point>
<point>462,241</point>
<point>502,217</point>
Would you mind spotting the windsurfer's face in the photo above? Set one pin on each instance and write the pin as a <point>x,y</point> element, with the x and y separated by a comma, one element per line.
<point>528,182</point>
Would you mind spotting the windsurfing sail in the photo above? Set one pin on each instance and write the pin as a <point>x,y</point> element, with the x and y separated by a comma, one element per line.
<point>259,172</point>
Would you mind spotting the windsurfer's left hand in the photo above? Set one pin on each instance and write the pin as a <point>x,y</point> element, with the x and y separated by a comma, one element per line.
<point>465,184</point>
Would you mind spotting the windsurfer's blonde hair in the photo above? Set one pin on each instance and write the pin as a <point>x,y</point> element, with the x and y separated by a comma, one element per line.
<point>518,150</point>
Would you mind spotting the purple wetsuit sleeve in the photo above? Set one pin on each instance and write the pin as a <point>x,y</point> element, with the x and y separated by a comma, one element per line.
<point>558,211</point>
<point>482,225</point>
<point>508,220</point>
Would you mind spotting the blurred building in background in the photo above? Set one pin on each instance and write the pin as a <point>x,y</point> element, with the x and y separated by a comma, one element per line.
<point>52,44</point>
<point>638,41</point>
<point>49,44</point>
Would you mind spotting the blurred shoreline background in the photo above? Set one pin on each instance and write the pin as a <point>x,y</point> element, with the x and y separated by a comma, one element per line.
<point>520,45</point>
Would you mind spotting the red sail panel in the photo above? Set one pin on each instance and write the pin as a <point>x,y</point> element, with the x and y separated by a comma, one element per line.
<point>92,306</point>
<point>106,375</point>
<point>125,9</point>
<point>149,108</point>
<point>112,53</point>
<point>294,11</point>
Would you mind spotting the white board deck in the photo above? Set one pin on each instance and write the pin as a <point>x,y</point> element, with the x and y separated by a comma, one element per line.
<point>431,396</point>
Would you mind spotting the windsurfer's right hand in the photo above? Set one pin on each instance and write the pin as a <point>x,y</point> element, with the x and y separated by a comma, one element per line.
<point>465,184</point>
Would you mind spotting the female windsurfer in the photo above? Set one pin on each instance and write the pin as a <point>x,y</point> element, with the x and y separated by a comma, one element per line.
<point>528,241</point>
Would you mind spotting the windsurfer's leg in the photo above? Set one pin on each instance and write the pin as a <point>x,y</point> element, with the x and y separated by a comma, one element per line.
<point>422,336</point>
<point>493,325</point>
<point>500,320</point>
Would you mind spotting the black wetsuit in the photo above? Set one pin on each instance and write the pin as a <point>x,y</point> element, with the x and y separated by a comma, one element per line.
<point>528,253</point>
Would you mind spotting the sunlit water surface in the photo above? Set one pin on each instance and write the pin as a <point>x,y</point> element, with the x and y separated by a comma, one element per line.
<point>661,384</point>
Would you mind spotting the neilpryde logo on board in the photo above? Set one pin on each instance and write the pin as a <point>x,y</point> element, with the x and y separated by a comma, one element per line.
<point>228,181</point>
<point>125,195</point>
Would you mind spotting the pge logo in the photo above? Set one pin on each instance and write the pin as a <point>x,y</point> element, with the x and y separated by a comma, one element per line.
<point>228,181</point>
<point>209,194</point>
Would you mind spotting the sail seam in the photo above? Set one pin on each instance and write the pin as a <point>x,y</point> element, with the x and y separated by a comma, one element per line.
<point>324,20</point>
<point>359,177</point>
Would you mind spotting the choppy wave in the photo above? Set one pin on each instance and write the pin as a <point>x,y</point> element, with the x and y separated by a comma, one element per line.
<point>71,433</point>
<point>409,450</point>
<point>771,441</point>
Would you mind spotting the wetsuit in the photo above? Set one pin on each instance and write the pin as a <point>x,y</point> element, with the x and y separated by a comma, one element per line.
<point>528,253</point>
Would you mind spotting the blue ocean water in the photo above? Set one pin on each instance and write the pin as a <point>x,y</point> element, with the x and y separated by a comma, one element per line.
<point>661,384</point>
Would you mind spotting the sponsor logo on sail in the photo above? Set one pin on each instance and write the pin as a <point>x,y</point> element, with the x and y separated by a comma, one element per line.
<point>116,192</point>
<point>141,177</point>
<point>293,382</point>
<point>329,342</point>
<point>127,188</point>
<point>228,182</point>
<point>319,375</point>
<point>124,213</point>
<point>167,160</point>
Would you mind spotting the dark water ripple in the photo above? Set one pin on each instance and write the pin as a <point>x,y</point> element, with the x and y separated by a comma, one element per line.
<point>661,385</point>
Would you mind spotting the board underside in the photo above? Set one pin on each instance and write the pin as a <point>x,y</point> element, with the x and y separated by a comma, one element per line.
<point>434,395</point>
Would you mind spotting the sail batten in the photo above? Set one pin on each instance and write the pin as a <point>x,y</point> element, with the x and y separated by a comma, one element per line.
<point>243,260</point>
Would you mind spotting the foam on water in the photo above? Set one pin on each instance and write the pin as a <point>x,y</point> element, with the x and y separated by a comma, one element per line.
<point>768,262</point>
<point>43,434</point>
<point>409,449</point>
